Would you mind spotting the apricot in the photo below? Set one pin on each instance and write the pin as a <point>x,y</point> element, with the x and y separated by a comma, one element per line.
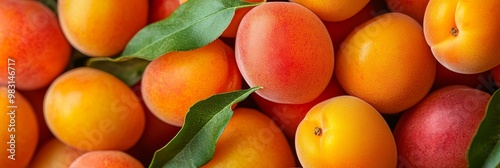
<point>192,75</point>
<point>387,63</point>
<point>413,8</point>
<point>345,131</point>
<point>101,28</point>
<point>106,158</point>
<point>288,116</point>
<point>463,35</point>
<point>438,130</point>
<point>251,139</point>
<point>333,10</point>
<point>286,49</point>
<point>32,42</point>
<point>19,134</point>
<point>54,154</point>
<point>89,109</point>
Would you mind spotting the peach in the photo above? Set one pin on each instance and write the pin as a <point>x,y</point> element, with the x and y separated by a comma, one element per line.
<point>54,154</point>
<point>464,35</point>
<point>89,109</point>
<point>161,9</point>
<point>35,98</point>
<point>438,130</point>
<point>104,159</point>
<point>156,134</point>
<point>30,41</point>
<point>192,75</point>
<point>101,28</point>
<point>333,10</point>
<point>251,139</point>
<point>379,66</point>
<point>19,134</point>
<point>412,8</point>
<point>288,116</point>
<point>286,49</point>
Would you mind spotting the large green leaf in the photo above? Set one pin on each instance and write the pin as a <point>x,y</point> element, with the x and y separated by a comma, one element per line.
<point>194,24</point>
<point>484,150</point>
<point>194,145</point>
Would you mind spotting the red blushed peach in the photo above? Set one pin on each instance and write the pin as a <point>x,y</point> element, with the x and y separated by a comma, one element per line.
<point>438,130</point>
<point>161,9</point>
<point>101,28</point>
<point>288,116</point>
<point>31,43</point>
<point>286,49</point>
<point>464,35</point>
<point>175,81</point>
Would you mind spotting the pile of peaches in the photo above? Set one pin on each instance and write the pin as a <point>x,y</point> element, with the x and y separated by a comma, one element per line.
<point>366,83</point>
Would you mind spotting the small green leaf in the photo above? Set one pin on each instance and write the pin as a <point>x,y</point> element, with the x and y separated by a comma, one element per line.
<point>484,150</point>
<point>194,24</point>
<point>194,145</point>
<point>129,70</point>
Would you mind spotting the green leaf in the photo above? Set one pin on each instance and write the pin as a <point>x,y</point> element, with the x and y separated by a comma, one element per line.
<point>129,70</point>
<point>194,145</point>
<point>484,150</point>
<point>194,24</point>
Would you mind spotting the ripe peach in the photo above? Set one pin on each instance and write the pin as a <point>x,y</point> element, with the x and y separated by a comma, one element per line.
<point>54,154</point>
<point>101,28</point>
<point>19,134</point>
<point>412,8</point>
<point>330,10</point>
<point>30,35</point>
<point>345,131</point>
<point>251,139</point>
<point>104,159</point>
<point>288,116</point>
<point>286,49</point>
<point>156,134</point>
<point>193,75</point>
<point>464,35</point>
<point>438,130</point>
<point>89,109</point>
<point>161,9</point>
<point>379,66</point>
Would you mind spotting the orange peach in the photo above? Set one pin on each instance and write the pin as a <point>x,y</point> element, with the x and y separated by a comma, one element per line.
<point>101,28</point>
<point>89,109</point>
<point>105,159</point>
<point>54,154</point>
<point>32,44</point>
<point>379,66</point>
<point>19,134</point>
<point>286,49</point>
<point>330,10</point>
<point>192,75</point>
<point>251,139</point>
<point>464,35</point>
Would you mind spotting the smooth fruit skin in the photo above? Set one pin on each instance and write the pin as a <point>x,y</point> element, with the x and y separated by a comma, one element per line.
<point>89,109</point>
<point>19,122</point>
<point>464,34</point>
<point>412,8</point>
<point>251,139</point>
<point>106,159</point>
<point>288,116</point>
<point>437,132</point>
<point>31,36</point>
<point>495,73</point>
<point>286,49</point>
<point>333,10</point>
<point>192,75</point>
<point>101,28</point>
<point>387,63</point>
<point>54,154</point>
<point>345,131</point>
